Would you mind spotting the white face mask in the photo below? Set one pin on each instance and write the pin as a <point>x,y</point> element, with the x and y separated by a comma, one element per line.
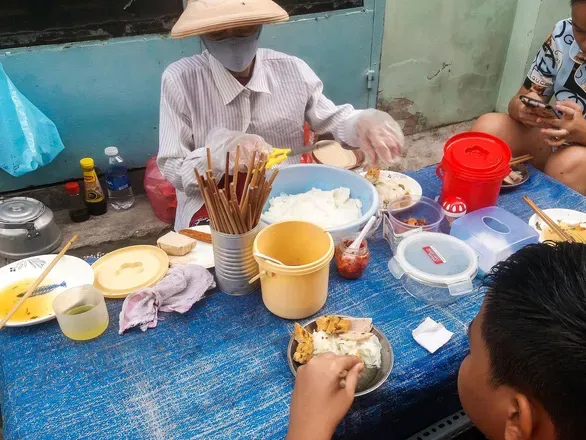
<point>235,53</point>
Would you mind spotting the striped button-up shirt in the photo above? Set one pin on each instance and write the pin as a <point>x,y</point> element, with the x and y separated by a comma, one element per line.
<point>198,96</point>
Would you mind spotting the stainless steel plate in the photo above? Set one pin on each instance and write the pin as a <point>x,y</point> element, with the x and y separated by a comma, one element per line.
<point>524,172</point>
<point>371,378</point>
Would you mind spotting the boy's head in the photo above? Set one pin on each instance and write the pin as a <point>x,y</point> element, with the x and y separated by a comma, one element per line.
<point>579,22</point>
<point>525,376</point>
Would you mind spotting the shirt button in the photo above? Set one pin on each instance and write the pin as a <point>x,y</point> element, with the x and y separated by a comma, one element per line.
<point>246,93</point>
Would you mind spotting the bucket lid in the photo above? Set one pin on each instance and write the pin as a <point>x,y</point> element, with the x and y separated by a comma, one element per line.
<point>435,259</point>
<point>18,210</point>
<point>477,154</point>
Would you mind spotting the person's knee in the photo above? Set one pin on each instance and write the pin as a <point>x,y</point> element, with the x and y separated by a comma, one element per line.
<point>568,165</point>
<point>492,123</point>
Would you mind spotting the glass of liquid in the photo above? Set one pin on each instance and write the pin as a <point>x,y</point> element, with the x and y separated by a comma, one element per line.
<point>81,313</point>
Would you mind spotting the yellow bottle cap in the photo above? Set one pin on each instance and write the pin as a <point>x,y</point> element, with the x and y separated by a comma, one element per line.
<point>87,163</point>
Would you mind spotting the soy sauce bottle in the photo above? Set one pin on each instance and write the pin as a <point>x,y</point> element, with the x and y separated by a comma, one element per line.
<point>94,195</point>
<point>78,211</point>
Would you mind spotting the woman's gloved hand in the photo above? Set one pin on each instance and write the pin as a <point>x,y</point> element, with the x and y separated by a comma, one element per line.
<point>221,141</point>
<point>379,136</point>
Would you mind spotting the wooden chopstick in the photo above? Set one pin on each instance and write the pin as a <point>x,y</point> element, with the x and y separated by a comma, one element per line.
<point>227,213</point>
<point>209,155</point>
<point>236,167</point>
<point>547,219</point>
<point>227,175</point>
<point>38,281</point>
<point>521,159</point>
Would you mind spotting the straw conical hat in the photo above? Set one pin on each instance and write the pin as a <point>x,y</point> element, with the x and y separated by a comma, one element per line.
<point>204,16</point>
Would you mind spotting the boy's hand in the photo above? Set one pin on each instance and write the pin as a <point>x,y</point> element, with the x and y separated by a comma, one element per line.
<point>524,114</point>
<point>319,403</point>
<point>571,128</point>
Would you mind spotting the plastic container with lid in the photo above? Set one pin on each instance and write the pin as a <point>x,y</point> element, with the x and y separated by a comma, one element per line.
<point>494,234</point>
<point>473,168</point>
<point>78,211</point>
<point>406,216</point>
<point>434,267</point>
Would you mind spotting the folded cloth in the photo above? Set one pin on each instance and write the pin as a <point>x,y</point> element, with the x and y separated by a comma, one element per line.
<point>183,286</point>
<point>431,335</point>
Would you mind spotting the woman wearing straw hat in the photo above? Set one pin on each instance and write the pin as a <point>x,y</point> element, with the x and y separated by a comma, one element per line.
<point>236,94</point>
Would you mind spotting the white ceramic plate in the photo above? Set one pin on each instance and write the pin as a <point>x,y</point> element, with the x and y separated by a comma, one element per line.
<point>566,215</point>
<point>202,254</point>
<point>409,183</point>
<point>68,272</point>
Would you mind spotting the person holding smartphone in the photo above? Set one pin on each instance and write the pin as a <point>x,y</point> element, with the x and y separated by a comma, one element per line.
<point>556,135</point>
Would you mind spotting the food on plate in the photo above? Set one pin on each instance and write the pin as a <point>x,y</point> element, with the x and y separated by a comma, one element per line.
<point>197,235</point>
<point>332,324</point>
<point>333,154</point>
<point>373,175</point>
<point>176,244</point>
<point>575,230</point>
<point>513,178</point>
<point>341,336</point>
<point>37,305</point>
<point>412,221</point>
<point>304,340</point>
<point>351,264</point>
<point>388,188</point>
<point>328,209</point>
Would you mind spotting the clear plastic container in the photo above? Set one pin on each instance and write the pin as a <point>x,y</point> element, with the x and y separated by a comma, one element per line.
<point>406,216</point>
<point>434,267</point>
<point>495,234</point>
<point>351,264</point>
<point>119,189</point>
<point>81,313</point>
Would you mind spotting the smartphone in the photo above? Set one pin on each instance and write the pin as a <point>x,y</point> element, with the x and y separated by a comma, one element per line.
<point>544,110</point>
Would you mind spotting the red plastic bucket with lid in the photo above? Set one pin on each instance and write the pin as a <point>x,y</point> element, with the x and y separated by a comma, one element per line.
<point>473,168</point>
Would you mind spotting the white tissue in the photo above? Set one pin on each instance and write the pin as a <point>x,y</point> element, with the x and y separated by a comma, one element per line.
<point>431,335</point>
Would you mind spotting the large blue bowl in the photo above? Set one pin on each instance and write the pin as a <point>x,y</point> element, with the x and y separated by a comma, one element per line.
<point>297,179</point>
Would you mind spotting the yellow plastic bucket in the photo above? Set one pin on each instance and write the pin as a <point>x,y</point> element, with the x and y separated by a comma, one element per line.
<point>300,288</point>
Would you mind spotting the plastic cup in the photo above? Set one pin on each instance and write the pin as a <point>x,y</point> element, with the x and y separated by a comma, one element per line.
<point>81,313</point>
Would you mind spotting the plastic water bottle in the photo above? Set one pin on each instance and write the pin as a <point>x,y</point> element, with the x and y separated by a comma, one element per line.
<point>119,189</point>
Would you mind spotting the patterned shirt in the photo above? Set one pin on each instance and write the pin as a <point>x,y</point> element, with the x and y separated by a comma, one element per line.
<point>198,95</point>
<point>559,69</point>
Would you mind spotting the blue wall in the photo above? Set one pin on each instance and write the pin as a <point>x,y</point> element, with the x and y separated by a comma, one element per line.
<point>107,93</point>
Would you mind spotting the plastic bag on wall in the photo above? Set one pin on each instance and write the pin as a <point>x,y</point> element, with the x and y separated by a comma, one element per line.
<point>28,139</point>
<point>161,193</point>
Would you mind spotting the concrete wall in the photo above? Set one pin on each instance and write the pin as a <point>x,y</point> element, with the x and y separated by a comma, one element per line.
<point>534,21</point>
<point>442,60</point>
<point>104,93</point>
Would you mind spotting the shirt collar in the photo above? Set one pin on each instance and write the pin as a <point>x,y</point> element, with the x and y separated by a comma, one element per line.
<point>576,54</point>
<point>229,87</point>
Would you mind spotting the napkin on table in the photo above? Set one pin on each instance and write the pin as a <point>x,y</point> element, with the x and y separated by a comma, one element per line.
<point>431,335</point>
<point>183,286</point>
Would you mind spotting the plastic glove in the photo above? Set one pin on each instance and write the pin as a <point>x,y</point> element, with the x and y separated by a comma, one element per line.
<point>221,141</point>
<point>379,136</point>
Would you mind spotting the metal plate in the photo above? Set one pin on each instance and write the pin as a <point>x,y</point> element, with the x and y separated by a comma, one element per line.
<point>524,173</point>
<point>371,378</point>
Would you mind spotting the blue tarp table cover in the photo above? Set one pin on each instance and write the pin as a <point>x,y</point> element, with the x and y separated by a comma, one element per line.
<point>220,370</point>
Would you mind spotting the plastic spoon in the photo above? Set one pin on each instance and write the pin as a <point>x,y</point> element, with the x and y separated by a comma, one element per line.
<point>356,243</point>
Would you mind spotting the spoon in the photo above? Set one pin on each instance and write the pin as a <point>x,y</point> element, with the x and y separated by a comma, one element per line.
<point>271,259</point>
<point>356,243</point>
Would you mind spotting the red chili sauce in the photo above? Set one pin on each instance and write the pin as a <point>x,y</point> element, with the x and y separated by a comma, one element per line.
<point>352,264</point>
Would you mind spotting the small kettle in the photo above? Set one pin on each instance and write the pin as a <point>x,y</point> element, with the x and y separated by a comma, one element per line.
<point>27,228</point>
